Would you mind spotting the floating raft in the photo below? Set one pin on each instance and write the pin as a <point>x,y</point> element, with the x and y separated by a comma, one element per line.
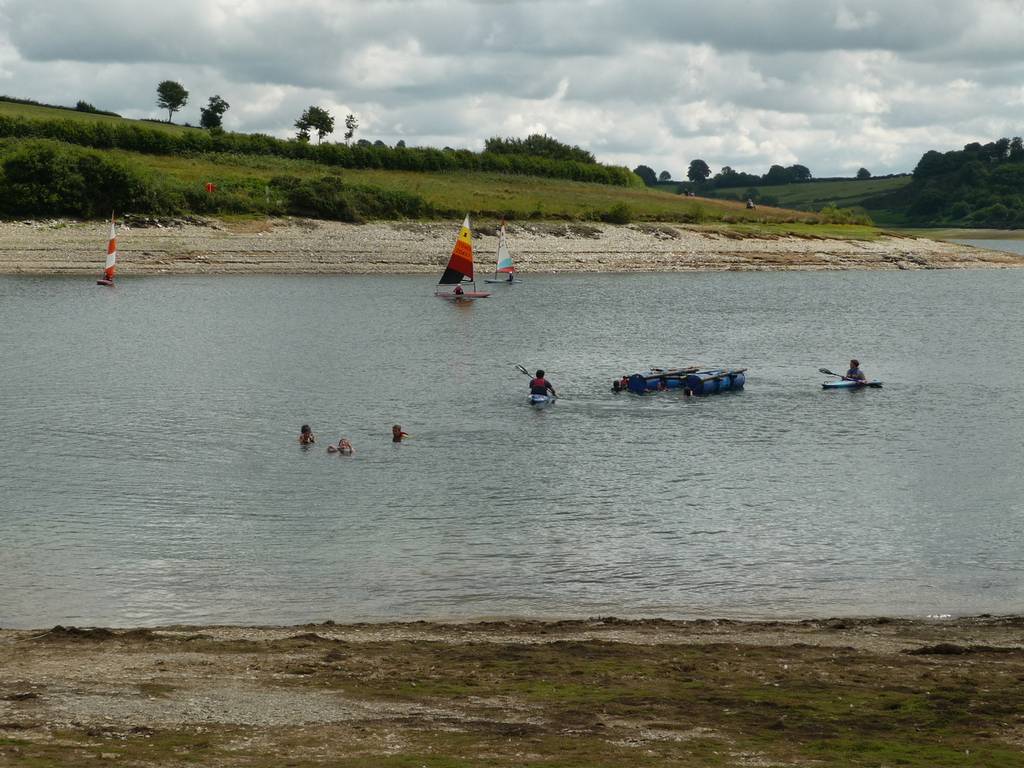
<point>690,380</point>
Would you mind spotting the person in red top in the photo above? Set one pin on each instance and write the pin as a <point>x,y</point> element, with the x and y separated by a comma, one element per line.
<point>541,386</point>
<point>397,435</point>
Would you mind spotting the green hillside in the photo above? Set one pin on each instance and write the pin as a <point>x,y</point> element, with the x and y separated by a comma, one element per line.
<point>815,195</point>
<point>39,112</point>
<point>82,170</point>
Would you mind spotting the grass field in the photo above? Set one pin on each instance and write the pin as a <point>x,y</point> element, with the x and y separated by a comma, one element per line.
<point>33,112</point>
<point>517,197</point>
<point>815,195</point>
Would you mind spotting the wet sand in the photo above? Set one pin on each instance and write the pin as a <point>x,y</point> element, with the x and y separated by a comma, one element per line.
<point>304,247</point>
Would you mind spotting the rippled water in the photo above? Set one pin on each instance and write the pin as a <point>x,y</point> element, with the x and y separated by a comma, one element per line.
<point>151,473</point>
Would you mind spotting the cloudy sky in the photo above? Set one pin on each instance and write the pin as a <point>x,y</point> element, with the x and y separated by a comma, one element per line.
<point>831,84</point>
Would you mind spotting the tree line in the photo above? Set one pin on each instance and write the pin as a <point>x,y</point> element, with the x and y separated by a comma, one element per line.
<point>981,185</point>
<point>699,175</point>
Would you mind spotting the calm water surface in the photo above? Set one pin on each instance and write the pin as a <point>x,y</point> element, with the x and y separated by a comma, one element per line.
<point>150,472</point>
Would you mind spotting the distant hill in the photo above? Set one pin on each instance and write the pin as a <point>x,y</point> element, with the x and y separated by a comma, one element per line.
<point>66,162</point>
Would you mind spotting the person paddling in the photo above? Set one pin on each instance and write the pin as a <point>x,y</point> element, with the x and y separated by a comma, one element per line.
<point>541,386</point>
<point>855,373</point>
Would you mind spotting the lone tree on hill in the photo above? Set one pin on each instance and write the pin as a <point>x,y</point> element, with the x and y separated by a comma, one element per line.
<point>650,178</point>
<point>351,124</point>
<point>171,96</point>
<point>210,115</point>
<point>698,171</point>
<point>863,173</point>
<point>664,176</point>
<point>317,119</point>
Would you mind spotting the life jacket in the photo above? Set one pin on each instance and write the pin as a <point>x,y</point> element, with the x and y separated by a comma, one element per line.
<point>539,386</point>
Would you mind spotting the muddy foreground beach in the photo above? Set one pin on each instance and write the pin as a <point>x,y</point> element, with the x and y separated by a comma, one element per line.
<point>601,692</point>
<point>309,247</point>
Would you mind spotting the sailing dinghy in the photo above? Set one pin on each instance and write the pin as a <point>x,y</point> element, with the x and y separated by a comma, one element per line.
<point>505,270</point>
<point>460,269</point>
<point>111,263</point>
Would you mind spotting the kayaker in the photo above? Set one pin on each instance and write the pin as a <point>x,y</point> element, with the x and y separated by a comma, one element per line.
<point>855,373</point>
<point>306,436</point>
<point>541,386</point>
<point>397,435</point>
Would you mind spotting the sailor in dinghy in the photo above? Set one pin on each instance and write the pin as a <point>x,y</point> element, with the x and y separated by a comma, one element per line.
<point>460,269</point>
<point>111,263</point>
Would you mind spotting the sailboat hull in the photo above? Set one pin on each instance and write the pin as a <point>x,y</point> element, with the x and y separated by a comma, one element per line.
<point>464,296</point>
<point>105,282</point>
<point>506,281</point>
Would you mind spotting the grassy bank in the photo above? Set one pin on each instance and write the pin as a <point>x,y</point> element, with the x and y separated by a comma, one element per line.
<point>576,693</point>
<point>86,174</point>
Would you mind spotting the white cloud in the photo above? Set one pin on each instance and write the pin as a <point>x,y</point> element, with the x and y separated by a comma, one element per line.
<point>832,84</point>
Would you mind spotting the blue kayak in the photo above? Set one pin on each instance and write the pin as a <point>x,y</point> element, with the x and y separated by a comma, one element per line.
<point>541,401</point>
<point>844,384</point>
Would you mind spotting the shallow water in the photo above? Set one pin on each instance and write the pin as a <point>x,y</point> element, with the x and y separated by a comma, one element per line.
<point>151,472</point>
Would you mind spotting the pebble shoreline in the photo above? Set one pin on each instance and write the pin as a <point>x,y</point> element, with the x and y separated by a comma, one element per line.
<point>296,246</point>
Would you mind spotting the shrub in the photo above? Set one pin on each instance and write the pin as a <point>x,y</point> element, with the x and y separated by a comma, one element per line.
<point>619,213</point>
<point>49,178</point>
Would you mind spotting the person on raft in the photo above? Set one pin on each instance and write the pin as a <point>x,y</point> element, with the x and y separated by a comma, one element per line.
<point>541,386</point>
<point>343,446</point>
<point>306,436</point>
<point>397,435</point>
<point>855,373</point>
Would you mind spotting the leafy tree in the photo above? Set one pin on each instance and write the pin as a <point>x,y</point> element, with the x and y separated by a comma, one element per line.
<point>698,171</point>
<point>650,178</point>
<point>664,176</point>
<point>316,119</point>
<point>303,127</point>
<point>863,173</point>
<point>538,145</point>
<point>777,175</point>
<point>210,115</point>
<point>171,96</point>
<point>799,172</point>
<point>351,126</point>
<point>400,144</point>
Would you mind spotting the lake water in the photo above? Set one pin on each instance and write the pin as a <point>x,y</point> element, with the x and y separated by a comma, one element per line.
<point>150,470</point>
<point>1011,246</point>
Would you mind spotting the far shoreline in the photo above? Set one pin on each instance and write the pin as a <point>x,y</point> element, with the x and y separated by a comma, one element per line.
<point>300,246</point>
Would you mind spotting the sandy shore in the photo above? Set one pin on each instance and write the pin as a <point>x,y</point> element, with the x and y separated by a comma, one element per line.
<point>298,246</point>
<point>600,692</point>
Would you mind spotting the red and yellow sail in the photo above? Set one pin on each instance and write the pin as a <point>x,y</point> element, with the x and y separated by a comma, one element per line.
<point>111,263</point>
<point>460,265</point>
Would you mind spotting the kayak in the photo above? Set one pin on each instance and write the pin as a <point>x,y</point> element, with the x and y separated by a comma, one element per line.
<point>541,401</point>
<point>850,384</point>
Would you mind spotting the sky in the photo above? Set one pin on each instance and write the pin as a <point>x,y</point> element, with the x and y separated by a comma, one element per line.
<point>831,84</point>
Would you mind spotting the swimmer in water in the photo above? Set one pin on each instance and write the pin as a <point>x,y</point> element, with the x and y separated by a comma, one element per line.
<point>343,446</point>
<point>397,435</point>
<point>306,436</point>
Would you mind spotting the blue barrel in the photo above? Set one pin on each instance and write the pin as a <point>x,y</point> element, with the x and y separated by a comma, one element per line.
<point>707,382</point>
<point>637,384</point>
